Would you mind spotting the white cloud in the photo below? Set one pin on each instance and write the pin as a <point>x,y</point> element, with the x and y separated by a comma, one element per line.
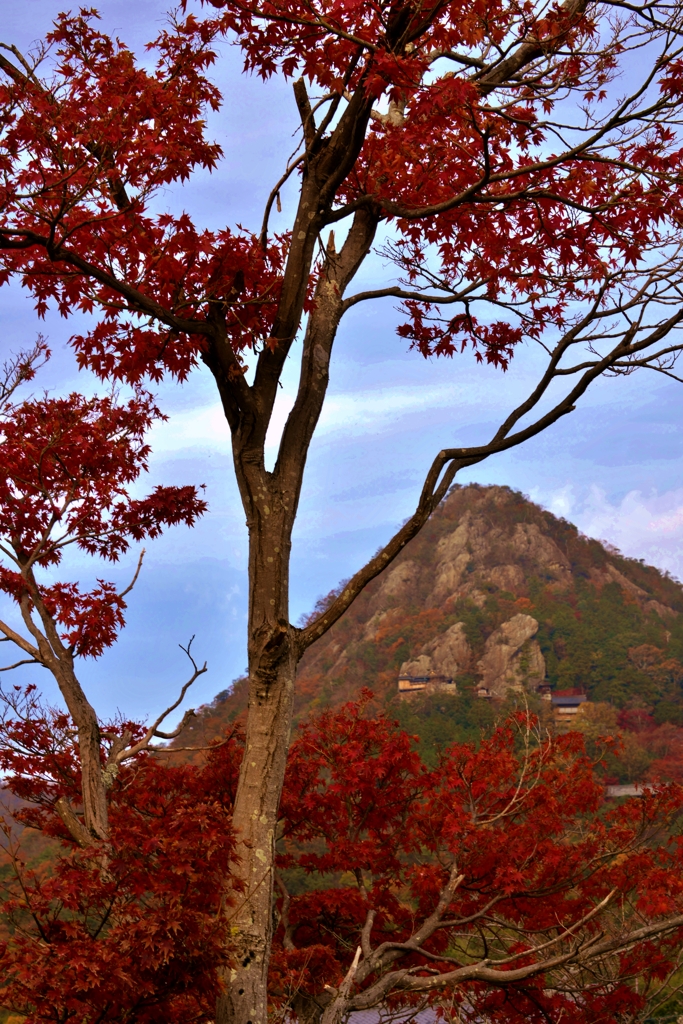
<point>374,408</point>
<point>354,413</point>
<point>648,526</point>
<point>203,425</point>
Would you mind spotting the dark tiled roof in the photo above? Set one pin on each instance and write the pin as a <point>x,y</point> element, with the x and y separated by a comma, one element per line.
<point>568,701</point>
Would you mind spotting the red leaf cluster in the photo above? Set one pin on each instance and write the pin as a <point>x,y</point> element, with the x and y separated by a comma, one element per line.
<point>374,829</point>
<point>134,931</point>
<point>143,932</point>
<point>491,205</point>
<point>66,466</point>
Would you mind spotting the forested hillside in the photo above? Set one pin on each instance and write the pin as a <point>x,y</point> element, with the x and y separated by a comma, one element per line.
<point>501,596</point>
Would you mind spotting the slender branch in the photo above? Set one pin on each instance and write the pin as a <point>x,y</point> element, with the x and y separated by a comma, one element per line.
<point>403,293</point>
<point>18,639</point>
<point>138,301</point>
<point>527,52</point>
<point>176,750</point>
<point>24,661</point>
<point>119,756</point>
<point>567,933</point>
<point>135,577</point>
<point>389,951</point>
<point>619,119</point>
<point>450,460</point>
<point>102,153</point>
<point>263,236</point>
<point>406,981</point>
<point>305,113</point>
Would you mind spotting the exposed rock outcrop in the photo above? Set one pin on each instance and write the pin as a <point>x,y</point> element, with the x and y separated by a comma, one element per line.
<point>506,577</point>
<point>373,624</point>
<point>491,585</point>
<point>400,579</point>
<point>539,550</point>
<point>447,655</point>
<point>518,583</point>
<point>464,558</point>
<point>512,659</point>
<point>458,554</point>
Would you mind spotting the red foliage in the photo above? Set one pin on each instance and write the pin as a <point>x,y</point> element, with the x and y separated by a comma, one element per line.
<point>65,468</point>
<point>140,932</point>
<point>473,184</point>
<point>150,130</point>
<point>636,720</point>
<point>136,931</point>
<point>376,831</point>
<point>490,203</point>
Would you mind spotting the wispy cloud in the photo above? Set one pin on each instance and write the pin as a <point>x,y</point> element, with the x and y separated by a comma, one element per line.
<point>642,525</point>
<point>353,413</point>
<point>201,426</point>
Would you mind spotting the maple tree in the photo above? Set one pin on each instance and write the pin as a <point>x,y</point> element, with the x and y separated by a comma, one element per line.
<point>67,465</point>
<point>130,923</point>
<point>142,937</point>
<point>524,194</point>
<point>493,885</point>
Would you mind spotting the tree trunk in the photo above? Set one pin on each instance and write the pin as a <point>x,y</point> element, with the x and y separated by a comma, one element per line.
<point>55,656</point>
<point>255,819</point>
<point>270,501</point>
<point>273,657</point>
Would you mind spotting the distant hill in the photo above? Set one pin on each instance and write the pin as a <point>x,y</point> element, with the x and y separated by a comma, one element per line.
<point>499,595</point>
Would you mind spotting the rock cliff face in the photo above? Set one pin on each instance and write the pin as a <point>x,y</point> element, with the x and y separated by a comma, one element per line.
<point>448,654</point>
<point>512,659</point>
<point>467,560</point>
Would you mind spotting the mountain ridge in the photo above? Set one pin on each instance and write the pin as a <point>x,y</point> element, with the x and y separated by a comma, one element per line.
<point>500,595</point>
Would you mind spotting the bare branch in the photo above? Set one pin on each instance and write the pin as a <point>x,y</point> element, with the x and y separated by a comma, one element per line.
<point>24,661</point>
<point>158,734</point>
<point>305,112</point>
<point>263,236</point>
<point>18,639</point>
<point>336,1009</point>
<point>76,829</point>
<point>135,577</point>
<point>488,970</point>
<point>119,756</point>
<point>389,951</point>
<point>450,460</point>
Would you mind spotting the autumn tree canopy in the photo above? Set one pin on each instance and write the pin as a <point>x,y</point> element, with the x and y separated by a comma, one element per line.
<point>522,162</point>
<point>129,928</point>
<point>495,885</point>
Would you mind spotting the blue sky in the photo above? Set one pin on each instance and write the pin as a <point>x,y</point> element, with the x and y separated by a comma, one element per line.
<point>615,467</point>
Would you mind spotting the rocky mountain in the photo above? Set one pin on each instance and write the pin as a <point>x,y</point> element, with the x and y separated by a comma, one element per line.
<point>498,595</point>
